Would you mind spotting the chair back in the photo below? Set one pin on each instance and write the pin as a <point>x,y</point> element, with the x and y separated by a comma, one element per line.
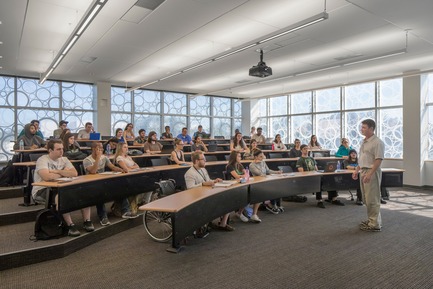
<point>275,155</point>
<point>34,156</point>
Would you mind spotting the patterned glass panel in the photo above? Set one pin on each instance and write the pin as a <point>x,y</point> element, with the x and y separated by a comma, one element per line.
<point>237,124</point>
<point>32,94</point>
<point>301,102</point>
<point>391,132</point>
<point>7,89</point>
<point>353,126</point>
<point>278,105</point>
<point>119,120</point>
<point>237,108</point>
<point>328,100</point>
<point>263,123</point>
<point>77,119</point>
<point>7,133</point>
<point>120,100</point>
<point>77,96</point>
<point>176,123</point>
<point>301,128</point>
<point>222,106</point>
<point>199,105</point>
<point>195,121</point>
<point>48,120</point>
<point>391,92</point>
<point>174,103</point>
<point>147,122</point>
<point>328,130</point>
<point>222,127</point>
<point>147,101</point>
<point>360,96</point>
<point>278,126</point>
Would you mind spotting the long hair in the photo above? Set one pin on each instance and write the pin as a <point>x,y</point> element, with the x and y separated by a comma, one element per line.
<point>234,162</point>
<point>119,150</point>
<point>235,141</point>
<point>316,143</point>
<point>275,139</point>
<point>66,145</point>
<point>149,137</point>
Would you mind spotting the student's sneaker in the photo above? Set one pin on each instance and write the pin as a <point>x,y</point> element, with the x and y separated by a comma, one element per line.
<point>382,201</point>
<point>255,219</point>
<point>280,209</point>
<point>104,221</point>
<point>88,226</point>
<point>72,231</point>
<point>321,205</point>
<point>242,217</point>
<point>273,210</point>
<point>359,202</point>
<point>129,215</point>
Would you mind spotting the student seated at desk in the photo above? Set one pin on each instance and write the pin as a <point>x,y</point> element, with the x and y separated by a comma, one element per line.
<point>29,138</point>
<point>296,152</point>
<point>259,168</point>
<point>237,171</point>
<point>85,133</point>
<point>167,134</point>
<point>53,166</point>
<point>152,145</point>
<point>113,145</point>
<point>198,176</point>
<point>96,164</point>
<point>124,161</point>
<point>314,144</point>
<point>119,135</point>
<point>198,145</point>
<point>249,155</point>
<point>128,133</point>
<point>277,144</point>
<point>177,155</point>
<point>141,138</point>
<point>71,149</point>
<point>306,163</point>
<point>238,144</point>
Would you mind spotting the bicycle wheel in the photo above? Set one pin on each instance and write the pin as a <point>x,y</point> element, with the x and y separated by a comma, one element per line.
<point>158,225</point>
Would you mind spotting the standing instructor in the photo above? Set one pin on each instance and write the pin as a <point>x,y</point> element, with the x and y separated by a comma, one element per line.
<point>370,159</point>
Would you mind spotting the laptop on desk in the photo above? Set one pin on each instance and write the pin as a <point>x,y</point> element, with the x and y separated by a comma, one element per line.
<point>95,136</point>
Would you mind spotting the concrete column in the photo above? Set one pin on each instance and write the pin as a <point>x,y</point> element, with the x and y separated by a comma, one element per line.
<point>103,108</point>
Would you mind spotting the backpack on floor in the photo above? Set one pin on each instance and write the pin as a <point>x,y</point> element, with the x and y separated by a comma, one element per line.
<point>49,225</point>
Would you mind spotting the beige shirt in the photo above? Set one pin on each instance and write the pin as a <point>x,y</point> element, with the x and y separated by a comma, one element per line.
<point>371,149</point>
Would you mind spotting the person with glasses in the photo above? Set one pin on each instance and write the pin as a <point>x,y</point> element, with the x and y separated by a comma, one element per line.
<point>197,176</point>
<point>344,149</point>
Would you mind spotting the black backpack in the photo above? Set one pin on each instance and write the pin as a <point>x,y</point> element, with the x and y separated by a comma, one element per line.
<point>49,225</point>
<point>7,175</point>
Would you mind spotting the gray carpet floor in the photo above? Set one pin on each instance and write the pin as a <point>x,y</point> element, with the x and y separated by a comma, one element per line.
<point>304,247</point>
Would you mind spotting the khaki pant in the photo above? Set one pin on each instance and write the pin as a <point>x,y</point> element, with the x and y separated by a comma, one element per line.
<point>371,197</point>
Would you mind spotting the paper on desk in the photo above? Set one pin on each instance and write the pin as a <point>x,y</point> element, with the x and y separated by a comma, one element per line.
<point>225,184</point>
<point>110,173</point>
<point>64,179</point>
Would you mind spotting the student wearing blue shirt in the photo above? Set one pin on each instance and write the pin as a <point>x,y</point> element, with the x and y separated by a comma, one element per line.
<point>185,137</point>
<point>343,150</point>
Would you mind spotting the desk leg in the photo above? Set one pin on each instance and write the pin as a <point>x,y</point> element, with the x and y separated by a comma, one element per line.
<point>175,243</point>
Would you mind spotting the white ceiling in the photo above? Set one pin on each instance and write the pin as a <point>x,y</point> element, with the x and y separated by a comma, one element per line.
<point>134,46</point>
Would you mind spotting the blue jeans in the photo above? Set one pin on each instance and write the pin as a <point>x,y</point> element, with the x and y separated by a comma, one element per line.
<point>102,211</point>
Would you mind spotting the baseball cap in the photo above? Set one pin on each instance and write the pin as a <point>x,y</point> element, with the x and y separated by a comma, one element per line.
<point>62,122</point>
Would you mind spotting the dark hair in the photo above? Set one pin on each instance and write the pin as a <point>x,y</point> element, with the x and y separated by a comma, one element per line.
<point>233,161</point>
<point>95,144</point>
<point>200,126</point>
<point>113,139</point>
<point>149,137</point>
<point>65,131</point>
<point>128,124</point>
<point>52,142</point>
<point>252,141</point>
<point>88,123</point>
<point>178,141</point>
<point>352,151</point>
<point>235,141</point>
<point>370,123</point>
<point>257,153</point>
<point>316,143</point>
<point>117,130</point>
<point>167,126</point>
<point>303,146</point>
<point>184,128</point>
<point>275,139</point>
<point>141,130</point>
<point>34,121</point>
<point>66,145</point>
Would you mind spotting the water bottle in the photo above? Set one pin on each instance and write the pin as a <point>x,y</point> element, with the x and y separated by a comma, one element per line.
<point>247,175</point>
<point>21,144</point>
<point>108,150</point>
<point>338,166</point>
<point>273,147</point>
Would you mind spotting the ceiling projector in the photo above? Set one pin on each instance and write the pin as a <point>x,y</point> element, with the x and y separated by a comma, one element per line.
<point>260,70</point>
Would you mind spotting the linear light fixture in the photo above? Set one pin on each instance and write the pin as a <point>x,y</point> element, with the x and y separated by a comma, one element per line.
<point>87,18</point>
<point>389,54</point>
<point>302,24</point>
